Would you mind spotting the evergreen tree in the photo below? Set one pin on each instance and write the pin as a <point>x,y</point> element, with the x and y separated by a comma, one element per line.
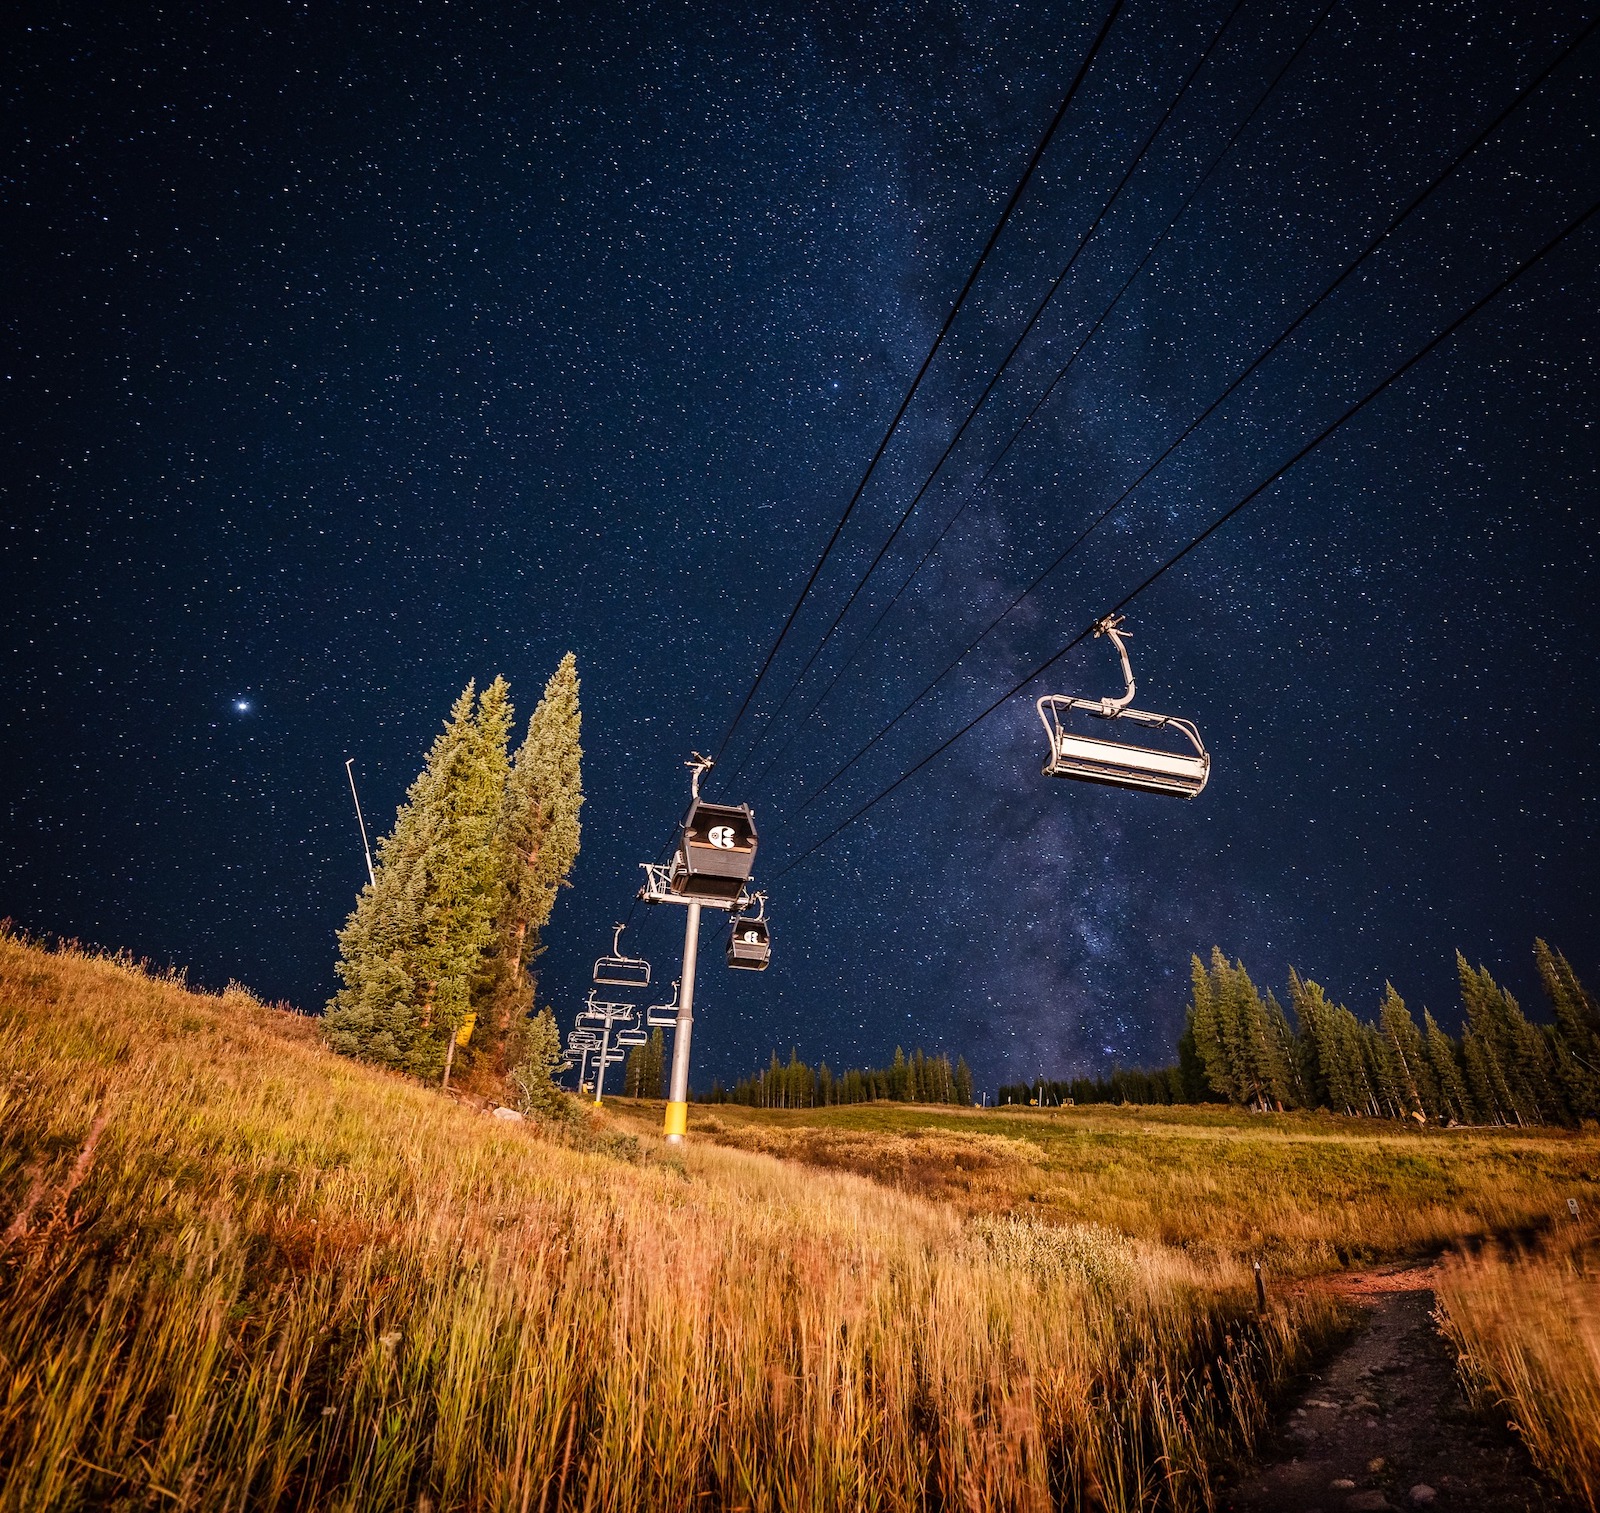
<point>1192,1086</point>
<point>412,948</point>
<point>537,1062</point>
<point>1517,1059</point>
<point>1455,1102</point>
<point>962,1090</point>
<point>536,846</point>
<point>1576,1037</point>
<point>1417,1083</point>
<point>1212,1039</point>
<point>1283,1056</point>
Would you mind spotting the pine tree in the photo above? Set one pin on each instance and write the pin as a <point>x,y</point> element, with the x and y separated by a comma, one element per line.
<point>1211,1037</point>
<point>536,846</point>
<point>655,1074</point>
<point>412,948</point>
<point>1576,1037</point>
<point>1283,1056</point>
<point>1455,1102</point>
<point>963,1081</point>
<point>1517,1059</point>
<point>1480,1082</point>
<point>537,1062</point>
<point>1416,1080</point>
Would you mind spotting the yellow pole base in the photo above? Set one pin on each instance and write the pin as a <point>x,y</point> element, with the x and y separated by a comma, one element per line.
<point>677,1121</point>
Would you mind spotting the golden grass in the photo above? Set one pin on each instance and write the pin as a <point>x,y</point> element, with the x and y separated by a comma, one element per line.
<point>1304,1192</point>
<point>1527,1330</point>
<point>239,1272</point>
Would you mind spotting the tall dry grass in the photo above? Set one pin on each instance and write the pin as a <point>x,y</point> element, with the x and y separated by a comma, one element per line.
<point>239,1272</point>
<point>1526,1327</point>
<point>1304,1192</point>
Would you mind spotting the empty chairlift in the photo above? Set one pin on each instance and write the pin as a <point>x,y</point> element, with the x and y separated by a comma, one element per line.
<point>750,941</point>
<point>716,847</point>
<point>1074,753</point>
<point>664,1015</point>
<point>621,971</point>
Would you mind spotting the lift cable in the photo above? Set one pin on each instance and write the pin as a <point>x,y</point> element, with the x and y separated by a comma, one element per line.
<point>994,380</point>
<point>1355,409</point>
<point>938,341</point>
<point>977,489</point>
<point>1288,331</point>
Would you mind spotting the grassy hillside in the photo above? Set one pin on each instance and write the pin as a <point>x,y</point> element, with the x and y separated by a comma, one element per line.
<point>237,1271</point>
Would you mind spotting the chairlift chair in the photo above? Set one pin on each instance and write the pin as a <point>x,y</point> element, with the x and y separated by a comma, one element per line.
<point>663,1015</point>
<point>750,941</point>
<point>1121,764</point>
<point>634,1036</point>
<point>617,970</point>
<point>716,847</point>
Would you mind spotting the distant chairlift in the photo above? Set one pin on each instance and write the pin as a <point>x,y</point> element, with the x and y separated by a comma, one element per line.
<point>716,847</point>
<point>617,970</point>
<point>1121,764</point>
<point>750,941</point>
<point>664,1015</point>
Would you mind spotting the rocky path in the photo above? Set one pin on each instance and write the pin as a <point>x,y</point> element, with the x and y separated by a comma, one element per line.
<point>1384,1424</point>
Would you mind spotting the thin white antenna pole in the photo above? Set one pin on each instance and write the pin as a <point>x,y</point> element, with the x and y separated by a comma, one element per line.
<point>372,877</point>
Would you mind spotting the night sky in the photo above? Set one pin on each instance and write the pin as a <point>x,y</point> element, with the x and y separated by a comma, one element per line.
<point>353,351</point>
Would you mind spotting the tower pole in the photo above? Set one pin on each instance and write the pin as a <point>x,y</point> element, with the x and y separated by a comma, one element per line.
<point>677,1119</point>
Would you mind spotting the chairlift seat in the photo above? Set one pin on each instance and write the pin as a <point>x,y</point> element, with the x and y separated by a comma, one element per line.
<point>622,972</point>
<point>662,1015</point>
<point>1122,764</point>
<point>716,852</point>
<point>617,969</point>
<point>630,1037</point>
<point>749,945</point>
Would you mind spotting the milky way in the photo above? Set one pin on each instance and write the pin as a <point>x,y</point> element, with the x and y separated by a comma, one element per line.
<point>354,353</point>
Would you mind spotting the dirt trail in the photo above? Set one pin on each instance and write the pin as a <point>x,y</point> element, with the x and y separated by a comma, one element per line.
<point>1384,1424</point>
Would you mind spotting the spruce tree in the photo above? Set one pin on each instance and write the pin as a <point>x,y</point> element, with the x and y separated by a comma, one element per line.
<point>1212,1036</point>
<point>1576,1036</point>
<point>963,1081</point>
<point>537,1062</point>
<point>1455,1102</point>
<point>1416,1081</point>
<point>536,845</point>
<point>1517,1059</point>
<point>412,947</point>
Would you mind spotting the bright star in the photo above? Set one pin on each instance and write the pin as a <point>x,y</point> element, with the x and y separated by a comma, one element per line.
<point>242,705</point>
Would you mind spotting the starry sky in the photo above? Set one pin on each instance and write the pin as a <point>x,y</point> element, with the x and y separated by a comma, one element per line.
<point>354,351</point>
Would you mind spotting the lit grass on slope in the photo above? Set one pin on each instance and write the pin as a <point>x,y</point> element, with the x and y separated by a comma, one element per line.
<point>1527,1330</point>
<point>1303,1191</point>
<point>237,1271</point>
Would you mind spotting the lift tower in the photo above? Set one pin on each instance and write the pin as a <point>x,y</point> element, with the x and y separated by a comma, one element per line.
<point>716,853</point>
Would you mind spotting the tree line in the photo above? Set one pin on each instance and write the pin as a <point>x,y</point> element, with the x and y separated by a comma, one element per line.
<point>1503,1068</point>
<point>919,1078</point>
<point>1123,1085</point>
<point>435,958</point>
<point>1240,1046</point>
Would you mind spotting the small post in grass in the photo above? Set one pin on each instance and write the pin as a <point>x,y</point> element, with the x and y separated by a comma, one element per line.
<point>1261,1291</point>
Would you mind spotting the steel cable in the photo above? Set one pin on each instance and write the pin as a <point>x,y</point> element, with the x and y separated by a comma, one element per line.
<point>1372,246</point>
<point>994,379</point>
<point>1349,414</point>
<point>977,489</point>
<point>938,341</point>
